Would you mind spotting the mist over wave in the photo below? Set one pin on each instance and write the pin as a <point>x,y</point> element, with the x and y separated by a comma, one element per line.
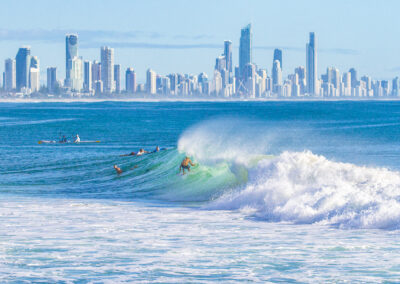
<point>296,187</point>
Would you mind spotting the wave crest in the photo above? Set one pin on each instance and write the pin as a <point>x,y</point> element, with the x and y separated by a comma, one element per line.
<point>307,188</point>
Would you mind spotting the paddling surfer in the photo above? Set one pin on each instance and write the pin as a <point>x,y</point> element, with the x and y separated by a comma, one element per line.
<point>186,163</point>
<point>118,169</point>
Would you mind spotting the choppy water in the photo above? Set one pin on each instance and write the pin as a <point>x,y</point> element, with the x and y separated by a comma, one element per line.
<point>283,192</point>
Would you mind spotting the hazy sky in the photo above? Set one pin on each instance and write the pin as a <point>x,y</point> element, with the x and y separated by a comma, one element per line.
<point>186,36</point>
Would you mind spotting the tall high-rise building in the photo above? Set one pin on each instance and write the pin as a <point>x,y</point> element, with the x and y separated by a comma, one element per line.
<point>311,58</point>
<point>220,63</point>
<point>76,78</point>
<point>96,72</point>
<point>245,48</point>
<point>276,75</point>
<point>353,76</point>
<point>117,78</point>
<point>395,87</point>
<point>9,81</point>
<point>23,63</point>
<point>51,79</point>
<point>228,55</point>
<point>278,56</point>
<point>71,51</point>
<point>151,82</point>
<point>107,68</point>
<point>34,74</point>
<point>87,76</point>
<point>130,81</point>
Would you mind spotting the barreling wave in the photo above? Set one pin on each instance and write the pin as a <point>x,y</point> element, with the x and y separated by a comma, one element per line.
<point>296,187</point>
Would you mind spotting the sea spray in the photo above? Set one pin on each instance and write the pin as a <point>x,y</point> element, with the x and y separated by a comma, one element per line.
<point>308,188</point>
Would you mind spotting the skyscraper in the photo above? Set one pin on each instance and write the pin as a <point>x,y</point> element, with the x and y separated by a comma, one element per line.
<point>220,63</point>
<point>353,76</point>
<point>107,68</point>
<point>117,78</point>
<point>245,48</point>
<point>23,62</point>
<point>87,76</point>
<point>151,81</point>
<point>311,58</point>
<point>9,82</point>
<point>96,72</point>
<point>34,74</point>
<point>51,78</point>
<point>395,87</point>
<point>71,51</point>
<point>228,55</point>
<point>278,56</point>
<point>76,78</point>
<point>276,75</point>
<point>130,81</point>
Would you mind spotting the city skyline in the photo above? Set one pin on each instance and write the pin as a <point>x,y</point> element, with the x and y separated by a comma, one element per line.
<point>248,81</point>
<point>155,35</point>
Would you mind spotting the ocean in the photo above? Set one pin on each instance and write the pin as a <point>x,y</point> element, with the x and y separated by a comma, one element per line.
<point>291,192</point>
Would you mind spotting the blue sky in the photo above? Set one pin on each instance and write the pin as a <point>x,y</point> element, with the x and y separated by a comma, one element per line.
<point>186,36</point>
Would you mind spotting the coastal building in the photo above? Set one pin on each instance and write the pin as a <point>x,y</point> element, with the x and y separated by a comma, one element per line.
<point>151,82</point>
<point>353,77</point>
<point>9,80</point>
<point>87,76</point>
<point>245,47</point>
<point>76,74</point>
<point>34,74</point>
<point>71,51</point>
<point>117,78</point>
<point>276,75</point>
<point>51,79</point>
<point>278,56</point>
<point>228,56</point>
<point>96,72</point>
<point>130,81</point>
<point>23,63</point>
<point>311,63</point>
<point>107,69</point>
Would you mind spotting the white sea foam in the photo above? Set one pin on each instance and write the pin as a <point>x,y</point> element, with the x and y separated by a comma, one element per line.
<point>307,188</point>
<point>297,187</point>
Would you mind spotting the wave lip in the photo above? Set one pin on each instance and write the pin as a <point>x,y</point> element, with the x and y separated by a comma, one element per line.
<point>304,188</point>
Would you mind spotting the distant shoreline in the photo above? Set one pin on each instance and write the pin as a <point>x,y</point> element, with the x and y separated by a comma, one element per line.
<point>194,100</point>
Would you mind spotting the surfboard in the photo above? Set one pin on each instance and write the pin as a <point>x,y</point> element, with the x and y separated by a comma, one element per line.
<point>61,143</point>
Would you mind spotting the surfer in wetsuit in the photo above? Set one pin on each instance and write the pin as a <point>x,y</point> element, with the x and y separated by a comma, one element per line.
<point>186,163</point>
<point>130,154</point>
<point>63,139</point>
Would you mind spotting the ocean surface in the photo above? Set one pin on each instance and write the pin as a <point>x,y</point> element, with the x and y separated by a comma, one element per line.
<point>287,192</point>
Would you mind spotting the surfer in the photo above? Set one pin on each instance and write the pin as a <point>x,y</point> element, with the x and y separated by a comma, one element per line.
<point>186,163</point>
<point>130,154</point>
<point>118,170</point>
<point>156,150</point>
<point>141,152</point>
<point>77,139</point>
<point>63,139</point>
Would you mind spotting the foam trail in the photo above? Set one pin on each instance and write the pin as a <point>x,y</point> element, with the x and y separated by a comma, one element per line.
<point>307,188</point>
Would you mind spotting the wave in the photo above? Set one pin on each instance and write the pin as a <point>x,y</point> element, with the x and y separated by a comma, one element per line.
<point>295,187</point>
<point>234,171</point>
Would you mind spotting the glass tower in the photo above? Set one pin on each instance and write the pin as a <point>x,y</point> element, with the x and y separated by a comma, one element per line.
<point>245,48</point>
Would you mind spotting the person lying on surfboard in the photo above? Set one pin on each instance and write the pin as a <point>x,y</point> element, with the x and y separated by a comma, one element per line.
<point>186,163</point>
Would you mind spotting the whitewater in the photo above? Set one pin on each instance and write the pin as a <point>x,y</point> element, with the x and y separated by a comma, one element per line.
<point>281,192</point>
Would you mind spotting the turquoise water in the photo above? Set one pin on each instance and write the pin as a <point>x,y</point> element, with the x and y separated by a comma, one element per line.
<point>282,192</point>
